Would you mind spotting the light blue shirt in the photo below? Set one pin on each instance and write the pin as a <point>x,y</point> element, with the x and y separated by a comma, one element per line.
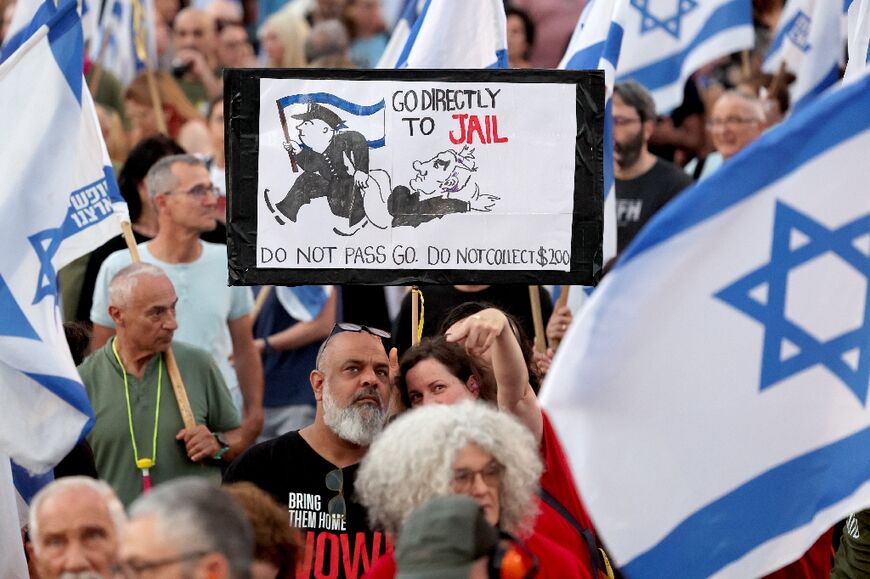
<point>205,303</point>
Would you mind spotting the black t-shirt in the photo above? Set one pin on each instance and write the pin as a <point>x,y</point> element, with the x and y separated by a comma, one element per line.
<point>313,488</point>
<point>438,300</point>
<point>638,199</point>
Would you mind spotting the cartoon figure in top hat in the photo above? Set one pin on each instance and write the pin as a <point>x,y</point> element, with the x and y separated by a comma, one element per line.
<point>335,165</point>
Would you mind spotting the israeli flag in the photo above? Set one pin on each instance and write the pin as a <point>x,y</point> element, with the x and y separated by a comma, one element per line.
<point>658,43</point>
<point>455,34</point>
<point>401,31</point>
<point>124,42</point>
<point>304,302</point>
<point>859,39</point>
<point>58,198</point>
<point>809,43</point>
<point>713,394</point>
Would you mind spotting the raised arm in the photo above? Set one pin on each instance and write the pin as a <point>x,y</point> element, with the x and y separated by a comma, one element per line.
<point>488,337</point>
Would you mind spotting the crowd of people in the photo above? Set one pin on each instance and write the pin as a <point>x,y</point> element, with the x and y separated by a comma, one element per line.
<point>323,442</point>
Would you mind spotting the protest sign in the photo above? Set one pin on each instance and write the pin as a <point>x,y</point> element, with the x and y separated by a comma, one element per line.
<point>392,177</point>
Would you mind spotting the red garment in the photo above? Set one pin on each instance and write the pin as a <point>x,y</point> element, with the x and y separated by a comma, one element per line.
<point>815,563</point>
<point>558,482</point>
<point>554,562</point>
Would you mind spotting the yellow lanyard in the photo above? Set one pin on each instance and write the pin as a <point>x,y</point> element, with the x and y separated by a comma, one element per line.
<point>144,463</point>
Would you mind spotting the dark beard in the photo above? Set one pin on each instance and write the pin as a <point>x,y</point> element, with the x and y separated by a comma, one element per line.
<point>630,151</point>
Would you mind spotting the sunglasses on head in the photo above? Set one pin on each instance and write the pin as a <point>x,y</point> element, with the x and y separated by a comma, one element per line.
<point>347,327</point>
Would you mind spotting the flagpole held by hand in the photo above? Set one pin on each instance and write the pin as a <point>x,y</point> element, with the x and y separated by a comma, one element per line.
<point>290,152</point>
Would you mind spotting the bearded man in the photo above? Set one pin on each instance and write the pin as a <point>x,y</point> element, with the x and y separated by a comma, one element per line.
<point>312,470</point>
<point>644,182</point>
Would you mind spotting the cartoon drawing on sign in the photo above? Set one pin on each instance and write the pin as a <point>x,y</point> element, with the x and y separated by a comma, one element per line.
<point>444,184</point>
<point>335,165</point>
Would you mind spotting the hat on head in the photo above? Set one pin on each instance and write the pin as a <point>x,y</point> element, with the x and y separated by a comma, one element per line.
<point>443,538</point>
<point>316,111</point>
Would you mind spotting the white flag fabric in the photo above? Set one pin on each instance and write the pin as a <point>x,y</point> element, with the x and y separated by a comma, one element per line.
<point>658,43</point>
<point>457,34</point>
<point>56,203</point>
<point>859,39</point>
<point>809,39</point>
<point>121,22</point>
<point>12,562</point>
<point>401,31</point>
<point>713,393</point>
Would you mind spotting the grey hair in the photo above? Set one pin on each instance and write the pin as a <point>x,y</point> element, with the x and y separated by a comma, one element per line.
<point>121,286</point>
<point>108,496</point>
<point>411,462</point>
<point>326,38</point>
<point>637,97</point>
<point>160,178</point>
<point>755,105</point>
<point>193,512</point>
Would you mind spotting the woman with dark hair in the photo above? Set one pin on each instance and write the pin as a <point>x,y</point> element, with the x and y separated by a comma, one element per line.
<point>520,37</point>
<point>143,214</point>
<point>498,365</point>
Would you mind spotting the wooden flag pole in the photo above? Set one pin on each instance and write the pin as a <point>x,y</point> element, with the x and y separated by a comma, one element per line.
<point>169,357</point>
<point>777,82</point>
<point>142,54</point>
<point>261,299</point>
<point>562,301</point>
<point>415,315</point>
<point>538,318</point>
<point>745,65</point>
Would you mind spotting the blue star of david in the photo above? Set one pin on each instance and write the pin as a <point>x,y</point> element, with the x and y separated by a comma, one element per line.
<point>45,244</point>
<point>672,24</point>
<point>832,354</point>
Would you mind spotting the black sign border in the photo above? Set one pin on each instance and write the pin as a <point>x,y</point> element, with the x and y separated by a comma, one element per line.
<point>242,117</point>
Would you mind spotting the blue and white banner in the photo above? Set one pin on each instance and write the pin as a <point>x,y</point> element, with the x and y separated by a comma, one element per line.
<point>809,42</point>
<point>124,24</point>
<point>713,395</point>
<point>57,201</point>
<point>455,34</point>
<point>859,39</point>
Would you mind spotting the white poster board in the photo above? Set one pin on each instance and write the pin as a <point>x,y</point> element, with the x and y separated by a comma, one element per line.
<point>414,178</point>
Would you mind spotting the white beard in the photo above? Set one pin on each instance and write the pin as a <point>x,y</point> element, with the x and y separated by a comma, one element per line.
<point>356,424</point>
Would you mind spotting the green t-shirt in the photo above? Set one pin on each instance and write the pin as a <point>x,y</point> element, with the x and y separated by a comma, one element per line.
<point>110,437</point>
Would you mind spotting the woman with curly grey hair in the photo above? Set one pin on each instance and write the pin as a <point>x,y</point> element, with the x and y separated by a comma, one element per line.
<point>469,448</point>
<point>483,355</point>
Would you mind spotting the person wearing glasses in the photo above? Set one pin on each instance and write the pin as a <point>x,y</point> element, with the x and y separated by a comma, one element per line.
<point>737,119</point>
<point>313,470</point>
<point>186,528</point>
<point>211,315</point>
<point>75,525</point>
<point>471,449</point>
<point>644,182</point>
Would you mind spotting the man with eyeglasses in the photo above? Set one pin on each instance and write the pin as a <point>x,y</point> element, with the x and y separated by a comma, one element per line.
<point>313,470</point>
<point>74,527</point>
<point>186,528</point>
<point>644,182</point>
<point>736,121</point>
<point>211,315</point>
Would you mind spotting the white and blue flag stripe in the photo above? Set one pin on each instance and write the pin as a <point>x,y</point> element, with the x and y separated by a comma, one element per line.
<point>713,393</point>
<point>456,34</point>
<point>809,43</point>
